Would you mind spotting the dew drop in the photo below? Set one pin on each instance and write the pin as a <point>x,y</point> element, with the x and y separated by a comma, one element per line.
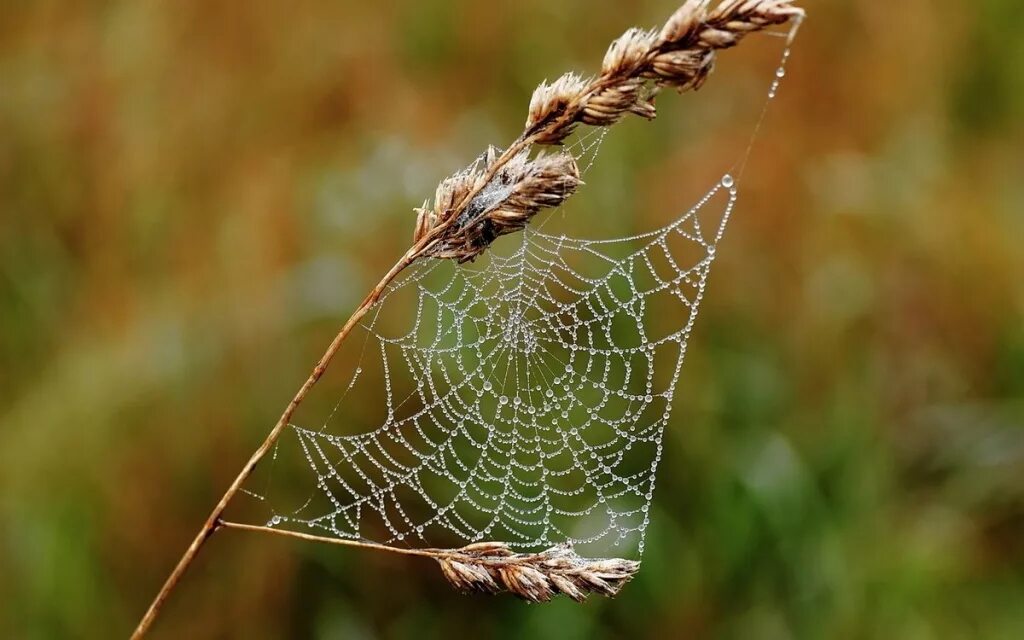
<point>728,181</point>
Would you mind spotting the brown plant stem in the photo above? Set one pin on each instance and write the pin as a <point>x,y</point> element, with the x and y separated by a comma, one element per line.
<point>213,522</point>
<point>373,546</point>
<point>681,57</point>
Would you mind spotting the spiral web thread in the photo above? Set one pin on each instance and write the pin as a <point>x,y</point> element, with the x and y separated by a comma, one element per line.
<point>527,400</point>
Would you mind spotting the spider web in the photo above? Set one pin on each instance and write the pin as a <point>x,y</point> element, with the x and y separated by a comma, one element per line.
<point>522,398</point>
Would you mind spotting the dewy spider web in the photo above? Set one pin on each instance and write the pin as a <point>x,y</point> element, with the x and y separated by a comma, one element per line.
<point>527,398</point>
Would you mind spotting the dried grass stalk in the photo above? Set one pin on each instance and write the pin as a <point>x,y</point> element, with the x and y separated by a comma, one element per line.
<point>474,207</point>
<point>502,204</point>
<point>500,194</point>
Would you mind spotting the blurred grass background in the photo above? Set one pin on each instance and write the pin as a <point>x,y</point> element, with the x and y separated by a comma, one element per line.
<point>194,195</point>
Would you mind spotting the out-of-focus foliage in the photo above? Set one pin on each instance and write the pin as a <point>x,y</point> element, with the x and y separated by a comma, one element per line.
<point>194,194</point>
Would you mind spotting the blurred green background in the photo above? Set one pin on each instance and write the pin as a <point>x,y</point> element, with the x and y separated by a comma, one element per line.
<point>194,195</point>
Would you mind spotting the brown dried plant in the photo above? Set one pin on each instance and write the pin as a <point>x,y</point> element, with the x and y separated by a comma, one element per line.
<point>502,191</point>
<point>498,195</point>
<point>491,567</point>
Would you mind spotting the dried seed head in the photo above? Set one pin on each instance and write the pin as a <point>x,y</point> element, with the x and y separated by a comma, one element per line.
<point>596,583</point>
<point>684,23</point>
<point>607,577</point>
<point>644,106</point>
<point>693,32</point>
<point>627,53</point>
<point>518,191</point>
<point>567,587</point>
<point>535,577</point>
<point>450,193</point>
<point>526,582</point>
<point>683,70</point>
<point>543,183</point>
<point>454,190</point>
<point>694,24</point>
<point>732,19</point>
<point>529,187</point>
<point>425,222</point>
<point>491,156</point>
<point>553,100</point>
<point>607,107</point>
<point>487,548</point>
<point>759,13</point>
<point>468,577</point>
<point>500,193</point>
<point>718,38</point>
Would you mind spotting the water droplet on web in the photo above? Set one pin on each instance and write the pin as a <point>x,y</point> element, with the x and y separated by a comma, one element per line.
<point>728,181</point>
<point>488,386</point>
